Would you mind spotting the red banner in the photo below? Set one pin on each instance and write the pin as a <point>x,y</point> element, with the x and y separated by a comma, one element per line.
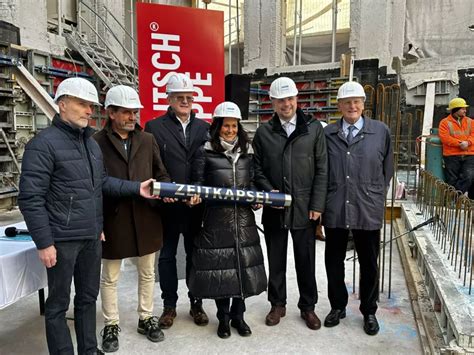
<point>173,39</point>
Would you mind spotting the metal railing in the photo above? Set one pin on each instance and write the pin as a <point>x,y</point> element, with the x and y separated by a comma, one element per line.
<point>454,232</point>
<point>102,20</point>
<point>405,128</point>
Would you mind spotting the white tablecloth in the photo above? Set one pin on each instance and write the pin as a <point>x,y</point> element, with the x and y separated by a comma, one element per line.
<point>21,272</point>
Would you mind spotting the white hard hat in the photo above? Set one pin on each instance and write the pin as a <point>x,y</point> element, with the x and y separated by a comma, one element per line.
<point>227,109</point>
<point>122,96</point>
<point>350,89</point>
<point>77,87</point>
<point>283,87</point>
<point>179,83</point>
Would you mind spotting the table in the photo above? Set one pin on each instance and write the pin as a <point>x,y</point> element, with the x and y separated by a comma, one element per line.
<point>21,271</point>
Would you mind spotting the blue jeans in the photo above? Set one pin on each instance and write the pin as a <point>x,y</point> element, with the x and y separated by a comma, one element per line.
<point>79,259</point>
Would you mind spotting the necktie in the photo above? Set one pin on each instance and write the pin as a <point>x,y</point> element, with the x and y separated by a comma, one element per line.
<point>350,135</point>
<point>288,128</point>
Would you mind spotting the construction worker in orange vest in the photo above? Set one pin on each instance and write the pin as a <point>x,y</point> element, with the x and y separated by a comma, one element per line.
<point>457,136</point>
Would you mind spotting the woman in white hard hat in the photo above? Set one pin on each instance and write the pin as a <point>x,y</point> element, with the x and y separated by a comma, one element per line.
<point>228,260</point>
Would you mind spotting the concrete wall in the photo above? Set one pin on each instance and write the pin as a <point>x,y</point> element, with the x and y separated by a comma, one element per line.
<point>31,17</point>
<point>264,26</point>
<point>377,29</point>
<point>8,10</point>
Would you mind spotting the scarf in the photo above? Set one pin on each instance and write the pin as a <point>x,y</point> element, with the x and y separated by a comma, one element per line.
<point>229,148</point>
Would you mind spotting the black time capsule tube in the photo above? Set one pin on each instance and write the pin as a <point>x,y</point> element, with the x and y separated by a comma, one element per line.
<point>182,191</point>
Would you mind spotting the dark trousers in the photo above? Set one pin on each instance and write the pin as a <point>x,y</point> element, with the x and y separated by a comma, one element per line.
<point>304,244</point>
<point>459,171</point>
<point>236,311</point>
<point>81,260</point>
<point>167,264</point>
<point>367,245</point>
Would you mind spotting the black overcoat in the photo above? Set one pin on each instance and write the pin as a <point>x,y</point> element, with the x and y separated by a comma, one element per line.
<point>179,156</point>
<point>359,174</point>
<point>227,257</point>
<point>295,165</point>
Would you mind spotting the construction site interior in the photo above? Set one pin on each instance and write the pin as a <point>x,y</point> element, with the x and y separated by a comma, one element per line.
<point>412,57</point>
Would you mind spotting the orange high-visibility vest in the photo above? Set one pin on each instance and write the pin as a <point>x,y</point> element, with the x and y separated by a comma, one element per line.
<point>452,133</point>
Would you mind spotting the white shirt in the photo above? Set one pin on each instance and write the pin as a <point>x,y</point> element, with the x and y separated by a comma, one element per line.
<point>185,124</point>
<point>357,127</point>
<point>289,126</point>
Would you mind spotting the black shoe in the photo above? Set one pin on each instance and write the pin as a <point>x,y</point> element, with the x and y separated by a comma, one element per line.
<point>151,329</point>
<point>223,330</point>
<point>332,319</point>
<point>198,314</point>
<point>242,328</point>
<point>110,341</point>
<point>371,326</point>
<point>98,352</point>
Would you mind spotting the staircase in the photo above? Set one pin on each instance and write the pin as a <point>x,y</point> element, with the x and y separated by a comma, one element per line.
<point>97,38</point>
<point>109,69</point>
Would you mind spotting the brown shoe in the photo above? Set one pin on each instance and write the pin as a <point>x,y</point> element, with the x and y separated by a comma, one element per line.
<point>198,314</point>
<point>273,317</point>
<point>319,233</point>
<point>311,319</point>
<point>167,318</point>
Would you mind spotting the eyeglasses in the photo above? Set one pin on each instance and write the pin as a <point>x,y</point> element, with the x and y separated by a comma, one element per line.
<point>183,98</point>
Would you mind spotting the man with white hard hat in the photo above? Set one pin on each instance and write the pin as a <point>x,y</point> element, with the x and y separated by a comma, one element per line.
<point>290,157</point>
<point>61,187</point>
<point>360,163</point>
<point>131,228</point>
<point>456,132</point>
<point>180,136</point>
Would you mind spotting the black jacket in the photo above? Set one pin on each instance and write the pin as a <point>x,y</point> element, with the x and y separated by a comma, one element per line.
<point>295,165</point>
<point>179,157</point>
<point>227,258</point>
<point>61,185</point>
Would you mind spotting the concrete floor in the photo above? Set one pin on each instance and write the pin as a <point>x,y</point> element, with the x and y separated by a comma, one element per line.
<point>22,328</point>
